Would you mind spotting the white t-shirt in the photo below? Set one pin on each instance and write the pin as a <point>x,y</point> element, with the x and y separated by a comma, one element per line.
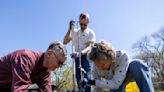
<point>81,38</point>
<point>115,76</point>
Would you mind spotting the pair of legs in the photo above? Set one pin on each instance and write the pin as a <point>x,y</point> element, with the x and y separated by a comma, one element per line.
<point>138,71</point>
<point>86,66</point>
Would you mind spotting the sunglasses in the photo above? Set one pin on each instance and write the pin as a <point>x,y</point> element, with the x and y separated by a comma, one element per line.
<point>83,25</point>
<point>59,62</point>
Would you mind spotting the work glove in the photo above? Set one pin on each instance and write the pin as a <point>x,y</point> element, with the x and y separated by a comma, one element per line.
<point>71,24</point>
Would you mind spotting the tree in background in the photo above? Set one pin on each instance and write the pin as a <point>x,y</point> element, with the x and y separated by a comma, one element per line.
<point>151,50</point>
<point>63,78</point>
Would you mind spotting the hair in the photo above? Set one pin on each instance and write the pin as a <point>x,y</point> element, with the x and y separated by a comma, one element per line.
<point>58,47</point>
<point>84,16</point>
<point>102,50</point>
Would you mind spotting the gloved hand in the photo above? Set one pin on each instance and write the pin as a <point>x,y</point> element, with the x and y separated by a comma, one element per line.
<point>71,24</point>
<point>86,82</point>
<point>74,55</point>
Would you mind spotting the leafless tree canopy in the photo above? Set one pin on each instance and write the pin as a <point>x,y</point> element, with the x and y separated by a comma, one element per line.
<point>151,50</point>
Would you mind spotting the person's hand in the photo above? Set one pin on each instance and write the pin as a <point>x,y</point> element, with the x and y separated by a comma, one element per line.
<point>71,24</point>
<point>82,53</point>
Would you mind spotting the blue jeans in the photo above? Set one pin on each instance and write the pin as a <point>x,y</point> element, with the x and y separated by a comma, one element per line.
<point>86,66</point>
<point>138,71</point>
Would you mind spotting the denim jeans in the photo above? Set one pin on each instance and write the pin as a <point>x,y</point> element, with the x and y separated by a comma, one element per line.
<point>139,72</point>
<point>86,66</point>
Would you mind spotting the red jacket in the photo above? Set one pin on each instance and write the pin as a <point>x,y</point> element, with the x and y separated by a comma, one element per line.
<point>20,69</point>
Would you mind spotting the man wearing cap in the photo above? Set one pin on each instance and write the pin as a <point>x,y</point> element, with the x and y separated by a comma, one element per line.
<point>82,38</point>
<point>22,68</point>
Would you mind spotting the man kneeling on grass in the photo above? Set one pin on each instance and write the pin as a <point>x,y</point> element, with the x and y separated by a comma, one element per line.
<point>22,68</point>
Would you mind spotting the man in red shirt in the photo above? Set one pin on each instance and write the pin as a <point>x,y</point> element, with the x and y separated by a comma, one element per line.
<point>22,68</point>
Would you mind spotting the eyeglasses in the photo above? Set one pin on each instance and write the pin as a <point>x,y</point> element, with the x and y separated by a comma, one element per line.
<point>59,62</point>
<point>83,24</point>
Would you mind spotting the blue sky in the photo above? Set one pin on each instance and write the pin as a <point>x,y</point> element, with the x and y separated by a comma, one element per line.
<point>34,24</point>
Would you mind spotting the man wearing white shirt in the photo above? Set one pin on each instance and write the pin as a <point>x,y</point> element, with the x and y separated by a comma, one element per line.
<point>113,70</point>
<point>82,39</point>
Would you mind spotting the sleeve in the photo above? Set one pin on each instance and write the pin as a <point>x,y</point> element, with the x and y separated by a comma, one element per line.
<point>119,74</point>
<point>45,82</point>
<point>92,36</point>
<point>96,77</point>
<point>20,74</point>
